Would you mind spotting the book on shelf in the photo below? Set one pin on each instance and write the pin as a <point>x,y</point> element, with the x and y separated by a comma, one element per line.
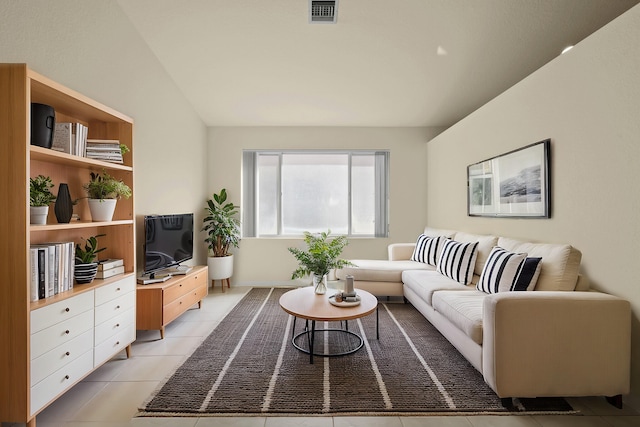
<point>51,268</point>
<point>109,272</point>
<point>110,263</point>
<point>62,138</point>
<point>104,149</point>
<point>70,138</point>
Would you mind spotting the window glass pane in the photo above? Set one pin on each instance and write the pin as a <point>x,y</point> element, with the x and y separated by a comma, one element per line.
<point>363,194</point>
<point>267,194</point>
<point>315,194</point>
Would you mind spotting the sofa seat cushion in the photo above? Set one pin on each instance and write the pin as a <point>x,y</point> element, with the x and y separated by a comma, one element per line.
<point>463,309</point>
<point>374,270</point>
<point>425,282</point>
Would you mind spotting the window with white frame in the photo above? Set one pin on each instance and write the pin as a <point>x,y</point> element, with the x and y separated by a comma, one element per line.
<point>288,192</point>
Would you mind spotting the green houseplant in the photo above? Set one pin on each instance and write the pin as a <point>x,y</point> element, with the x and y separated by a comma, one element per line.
<point>86,266</point>
<point>104,191</point>
<point>222,226</point>
<point>40,197</point>
<point>321,256</point>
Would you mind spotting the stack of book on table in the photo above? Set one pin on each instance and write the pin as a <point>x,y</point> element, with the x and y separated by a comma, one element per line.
<point>109,268</point>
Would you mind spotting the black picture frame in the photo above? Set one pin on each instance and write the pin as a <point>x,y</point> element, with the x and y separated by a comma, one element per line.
<point>516,184</point>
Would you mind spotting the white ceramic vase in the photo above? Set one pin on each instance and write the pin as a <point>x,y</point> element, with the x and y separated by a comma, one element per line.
<point>102,210</point>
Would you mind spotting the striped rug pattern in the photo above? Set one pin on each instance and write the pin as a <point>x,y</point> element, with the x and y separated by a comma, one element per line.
<point>249,366</point>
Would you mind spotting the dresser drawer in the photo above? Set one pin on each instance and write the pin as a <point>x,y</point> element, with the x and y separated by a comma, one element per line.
<point>114,325</point>
<point>60,380</point>
<point>114,307</point>
<point>60,356</point>
<point>188,284</point>
<point>59,311</point>
<point>60,333</point>
<point>112,345</point>
<point>114,290</point>
<point>179,306</point>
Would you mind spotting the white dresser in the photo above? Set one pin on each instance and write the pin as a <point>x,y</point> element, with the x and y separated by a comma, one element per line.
<point>70,338</point>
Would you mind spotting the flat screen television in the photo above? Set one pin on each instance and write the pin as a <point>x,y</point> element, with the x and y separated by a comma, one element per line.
<point>168,241</point>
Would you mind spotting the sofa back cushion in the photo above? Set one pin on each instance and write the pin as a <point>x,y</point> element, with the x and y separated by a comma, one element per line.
<point>485,245</point>
<point>560,263</point>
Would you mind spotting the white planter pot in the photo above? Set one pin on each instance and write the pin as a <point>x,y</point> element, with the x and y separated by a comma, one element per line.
<point>38,214</point>
<point>102,210</point>
<point>220,267</point>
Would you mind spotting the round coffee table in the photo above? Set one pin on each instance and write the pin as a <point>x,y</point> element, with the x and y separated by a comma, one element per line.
<point>306,304</point>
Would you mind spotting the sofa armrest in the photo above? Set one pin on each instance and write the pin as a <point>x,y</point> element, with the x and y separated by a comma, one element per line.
<point>556,344</point>
<point>400,251</point>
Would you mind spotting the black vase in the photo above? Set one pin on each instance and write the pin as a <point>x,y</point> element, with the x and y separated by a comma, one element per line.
<point>64,205</point>
<point>43,121</point>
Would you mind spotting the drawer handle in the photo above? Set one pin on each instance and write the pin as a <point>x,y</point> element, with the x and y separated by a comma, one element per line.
<point>117,289</point>
<point>66,377</point>
<point>66,332</point>
<point>117,342</point>
<point>117,325</point>
<point>67,309</point>
<point>117,307</point>
<point>68,354</point>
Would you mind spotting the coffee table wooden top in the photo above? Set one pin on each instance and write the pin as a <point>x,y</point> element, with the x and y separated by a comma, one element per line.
<point>306,304</point>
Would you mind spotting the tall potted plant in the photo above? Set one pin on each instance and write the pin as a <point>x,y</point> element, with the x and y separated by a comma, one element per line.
<point>321,256</point>
<point>40,197</point>
<point>104,191</point>
<point>223,232</point>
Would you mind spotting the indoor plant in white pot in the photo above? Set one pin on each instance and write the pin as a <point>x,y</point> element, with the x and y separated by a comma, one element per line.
<point>104,191</point>
<point>223,231</point>
<point>322,255</point>
<point>86,266</point>
<point>40,197</point>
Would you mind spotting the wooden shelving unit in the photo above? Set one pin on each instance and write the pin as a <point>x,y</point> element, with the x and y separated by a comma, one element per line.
<point>22,321</point>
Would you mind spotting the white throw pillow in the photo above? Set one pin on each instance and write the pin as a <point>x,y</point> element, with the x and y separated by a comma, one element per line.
<point>500,271</point>
<point>426,249</point>
<point>457,260</point>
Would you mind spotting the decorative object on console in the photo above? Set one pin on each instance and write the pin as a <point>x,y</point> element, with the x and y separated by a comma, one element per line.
<point>223,231</point>
<point>40,197</point>
<point>63,207</point>
<point>104,191</point>
<point>514,184</point>
<point>86,266</point>
<point>321,257</point>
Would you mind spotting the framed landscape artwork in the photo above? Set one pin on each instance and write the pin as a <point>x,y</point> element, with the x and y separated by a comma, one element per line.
<point>514,184</point>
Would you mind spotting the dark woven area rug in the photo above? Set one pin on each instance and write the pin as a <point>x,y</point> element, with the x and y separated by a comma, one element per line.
<point>248,366</point>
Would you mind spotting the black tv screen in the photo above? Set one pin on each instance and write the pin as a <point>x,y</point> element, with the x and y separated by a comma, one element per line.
<point>168,240</point>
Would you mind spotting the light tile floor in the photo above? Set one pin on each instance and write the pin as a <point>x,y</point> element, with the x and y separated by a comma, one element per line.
<point>110,396</point>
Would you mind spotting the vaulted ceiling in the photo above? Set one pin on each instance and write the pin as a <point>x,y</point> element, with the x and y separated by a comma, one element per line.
<point>384,63</point>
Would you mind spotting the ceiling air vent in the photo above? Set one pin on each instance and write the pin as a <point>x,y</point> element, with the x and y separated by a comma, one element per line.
<point>323,12</point>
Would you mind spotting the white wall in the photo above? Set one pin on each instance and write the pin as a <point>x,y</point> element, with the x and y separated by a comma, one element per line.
<point>267,259</point>
<point>92,47</point>
<point>588,102</point>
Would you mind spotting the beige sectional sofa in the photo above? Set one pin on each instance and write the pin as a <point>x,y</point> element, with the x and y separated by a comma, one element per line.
<point>560,339</point>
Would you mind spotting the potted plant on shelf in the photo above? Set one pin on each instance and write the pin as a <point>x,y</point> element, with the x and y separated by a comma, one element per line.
<point>321,256</point>
<point>223,231</point>
<point>86,266</point>
<point>104,191</point>
<point>40,197</point>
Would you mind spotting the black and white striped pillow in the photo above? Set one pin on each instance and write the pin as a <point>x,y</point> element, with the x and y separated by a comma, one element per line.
<point>501,271</point>
<point>528,276</point>
<point>457,260</point>
<point>426,249</point>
